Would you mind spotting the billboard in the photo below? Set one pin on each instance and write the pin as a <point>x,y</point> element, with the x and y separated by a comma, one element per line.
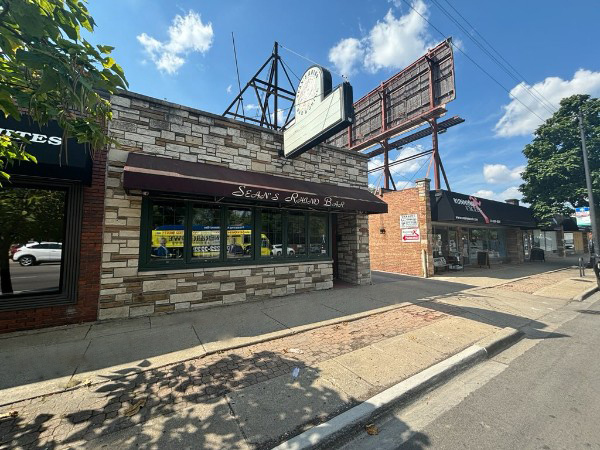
<point>405,101</point>
<point>320,112</point>
<point>583,217</point>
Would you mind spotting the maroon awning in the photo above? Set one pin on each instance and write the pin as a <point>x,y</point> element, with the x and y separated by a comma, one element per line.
<point>153,173</point>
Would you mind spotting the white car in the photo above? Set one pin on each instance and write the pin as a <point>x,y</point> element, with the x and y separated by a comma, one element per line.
<point>277,250</point>
<point>34,253</point>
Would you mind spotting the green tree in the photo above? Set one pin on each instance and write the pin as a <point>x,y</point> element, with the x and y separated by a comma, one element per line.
<point>554,180</point>
<point>50,72</point>
<point>36,214</point>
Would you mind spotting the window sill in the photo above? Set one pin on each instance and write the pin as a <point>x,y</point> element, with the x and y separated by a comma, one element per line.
<point>163,270</point>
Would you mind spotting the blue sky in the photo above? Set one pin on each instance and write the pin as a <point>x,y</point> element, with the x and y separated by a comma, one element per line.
<point>181,51</point>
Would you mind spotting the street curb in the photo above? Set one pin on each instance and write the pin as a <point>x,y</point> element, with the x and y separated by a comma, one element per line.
<point>355,418</point>
<point>585,294</point>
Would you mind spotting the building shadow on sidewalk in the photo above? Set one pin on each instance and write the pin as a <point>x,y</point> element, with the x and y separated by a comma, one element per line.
<point>533,329</point>
<point>235,400</point>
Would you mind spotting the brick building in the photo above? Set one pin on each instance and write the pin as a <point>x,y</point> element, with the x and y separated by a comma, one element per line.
<point>425,231</point>
<point>202,211</point>
<point>55,208</point>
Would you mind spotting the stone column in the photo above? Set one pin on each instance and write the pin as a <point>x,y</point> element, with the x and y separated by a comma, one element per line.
<point>354,264</point>
<point>425,226</point>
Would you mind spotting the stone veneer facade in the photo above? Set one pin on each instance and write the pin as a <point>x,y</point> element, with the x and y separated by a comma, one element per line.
<point>144,124</point>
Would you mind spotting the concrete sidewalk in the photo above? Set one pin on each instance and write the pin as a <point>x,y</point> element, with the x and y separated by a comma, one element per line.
<point>249,396</point>
<point>36,363</point>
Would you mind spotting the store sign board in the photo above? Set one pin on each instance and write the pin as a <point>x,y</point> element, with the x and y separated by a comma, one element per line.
<point>320,112</point>
<point>411,235</point>
<point>582,215</point>
<point>409,221</point>
<point>67,161</point>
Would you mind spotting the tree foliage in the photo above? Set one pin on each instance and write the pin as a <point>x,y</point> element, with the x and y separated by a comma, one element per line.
<point>554,179</point>
<point>50,72</point>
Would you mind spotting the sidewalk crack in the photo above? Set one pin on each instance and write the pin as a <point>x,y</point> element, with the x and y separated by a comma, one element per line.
<point>237,421</point>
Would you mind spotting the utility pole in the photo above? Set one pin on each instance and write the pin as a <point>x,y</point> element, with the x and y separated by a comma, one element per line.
<point>588,181</point>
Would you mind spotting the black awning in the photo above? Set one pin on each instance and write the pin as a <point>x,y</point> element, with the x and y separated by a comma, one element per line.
<point>55,158</point>
<point>454,207</point>
<point>153,173</point>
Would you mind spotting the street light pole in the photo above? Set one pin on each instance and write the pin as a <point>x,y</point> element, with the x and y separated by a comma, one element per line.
<point>588,182</point>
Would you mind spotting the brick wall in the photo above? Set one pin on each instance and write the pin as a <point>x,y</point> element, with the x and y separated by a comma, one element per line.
<point>144,124</point>
<point>388,252</point>
<point>86,307</point>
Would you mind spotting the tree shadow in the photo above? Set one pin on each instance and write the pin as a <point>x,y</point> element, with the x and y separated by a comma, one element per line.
<point>234,400</point>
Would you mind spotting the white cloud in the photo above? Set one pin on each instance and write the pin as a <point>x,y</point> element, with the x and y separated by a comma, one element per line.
<point>392,43</point>
<point>346,55</point>
<point>186,34</point>
<point>229,89</point>
<point>402,169</point>
<point>499,173</point>
<point>511,192</point>
<point>518,120</point>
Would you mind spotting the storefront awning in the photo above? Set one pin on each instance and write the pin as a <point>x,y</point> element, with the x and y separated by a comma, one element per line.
<point>152,173</point>
<point>454,207</point>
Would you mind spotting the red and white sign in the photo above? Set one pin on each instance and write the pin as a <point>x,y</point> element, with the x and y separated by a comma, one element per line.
<point>411,235</point>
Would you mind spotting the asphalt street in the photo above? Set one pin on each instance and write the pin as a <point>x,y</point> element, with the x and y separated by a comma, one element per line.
<point>35,278</point>
<point>535,396</point>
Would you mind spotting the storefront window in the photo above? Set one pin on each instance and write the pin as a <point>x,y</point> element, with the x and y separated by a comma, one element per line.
<point>32,231</point>
<point>318,234</point>
<point>296,233</point>
<point>497,245</point>
<point>239,233</point>
<point>168,231</point>
<point>206,232</point>
<point>546,240</point>
<point>440,242</point>
<point>271,236</point>
<point>185,233</point>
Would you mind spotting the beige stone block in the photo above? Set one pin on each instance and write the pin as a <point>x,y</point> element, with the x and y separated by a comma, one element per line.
<point>257,279</point>
<point>282,270</point>
<point>129,212</point>
<point>186,297</point>
<point>240,273</point>
<point>215,286</point>
<point>117,155</point>
<point>110,248</point>
<point>227,287</point>
<point>234,298</point>
<point>324,285</point>
<point>142,310</point>
<point>112,291</point>
<point>113,313</point>
<point>159,285</point>
<point>125,272</point>
<point>182,305</point>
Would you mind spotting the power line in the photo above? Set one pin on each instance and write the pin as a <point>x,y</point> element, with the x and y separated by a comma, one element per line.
<point>475,62</point>
<point>501,57</point>
<point>313,62</point>
<point>518,77</point>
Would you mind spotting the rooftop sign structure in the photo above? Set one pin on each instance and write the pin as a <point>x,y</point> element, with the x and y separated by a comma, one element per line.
<point>320,112</point>
<point>409,99</point>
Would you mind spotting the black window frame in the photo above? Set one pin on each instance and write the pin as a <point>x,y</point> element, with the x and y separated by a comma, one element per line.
<point>146,263</point>
<point>66,294</point>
